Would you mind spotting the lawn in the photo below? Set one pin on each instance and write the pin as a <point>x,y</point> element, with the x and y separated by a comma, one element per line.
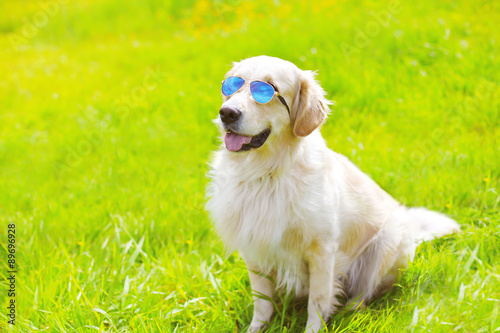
<point>105,135</point>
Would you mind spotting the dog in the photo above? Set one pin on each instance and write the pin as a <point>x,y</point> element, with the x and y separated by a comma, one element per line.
<point>303,218</point>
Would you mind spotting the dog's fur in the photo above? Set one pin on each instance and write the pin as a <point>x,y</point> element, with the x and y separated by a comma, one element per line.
<point>303,217</point>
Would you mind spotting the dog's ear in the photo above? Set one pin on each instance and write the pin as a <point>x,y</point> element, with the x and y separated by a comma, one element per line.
<point>310,107</point>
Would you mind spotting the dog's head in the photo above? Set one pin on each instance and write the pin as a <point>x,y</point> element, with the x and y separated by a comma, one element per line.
<point>297,108</point>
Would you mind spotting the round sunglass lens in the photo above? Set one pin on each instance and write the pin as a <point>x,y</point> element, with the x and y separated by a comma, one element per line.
<point>262,92</point>
<point>231,85</point>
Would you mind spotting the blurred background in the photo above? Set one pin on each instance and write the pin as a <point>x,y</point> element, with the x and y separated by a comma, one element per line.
<point>105,135</point>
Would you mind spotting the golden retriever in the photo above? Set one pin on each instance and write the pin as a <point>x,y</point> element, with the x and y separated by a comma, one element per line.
<point>303,217</point>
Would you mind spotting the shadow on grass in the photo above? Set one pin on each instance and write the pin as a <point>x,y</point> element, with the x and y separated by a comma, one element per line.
<point>291,313</point>
<point>347,319</point>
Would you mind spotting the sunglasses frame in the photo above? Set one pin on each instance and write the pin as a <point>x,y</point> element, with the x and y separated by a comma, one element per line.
<point>282,100</point>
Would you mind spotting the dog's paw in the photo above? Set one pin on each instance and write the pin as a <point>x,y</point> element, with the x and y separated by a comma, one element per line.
<point>254,328</point>
<point>355,304</point>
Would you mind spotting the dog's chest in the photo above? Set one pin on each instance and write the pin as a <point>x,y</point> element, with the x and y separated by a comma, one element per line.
<point>260,204</point>
<point>265,217</point>
<point>271,233</point>
<point>270,220</point>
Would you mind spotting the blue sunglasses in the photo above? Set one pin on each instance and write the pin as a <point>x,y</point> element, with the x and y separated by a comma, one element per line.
<point>262,92</point>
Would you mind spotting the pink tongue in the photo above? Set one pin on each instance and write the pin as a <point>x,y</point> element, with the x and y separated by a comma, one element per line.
<point>234,141</point>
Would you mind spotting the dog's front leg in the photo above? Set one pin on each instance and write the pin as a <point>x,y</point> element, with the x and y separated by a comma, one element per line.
<point>262,289</point>
<point>321,288</point>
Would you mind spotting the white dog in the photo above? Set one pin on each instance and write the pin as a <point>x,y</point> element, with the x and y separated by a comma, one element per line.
<point>303,217</point>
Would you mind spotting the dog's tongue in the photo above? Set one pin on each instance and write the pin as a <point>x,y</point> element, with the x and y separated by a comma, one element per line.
<point>234,141</point>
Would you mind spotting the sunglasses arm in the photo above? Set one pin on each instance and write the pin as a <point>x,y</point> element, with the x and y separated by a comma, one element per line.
<point>282,100</point>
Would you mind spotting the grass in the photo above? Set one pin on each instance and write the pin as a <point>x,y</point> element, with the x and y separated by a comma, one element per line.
<point>105,134</point>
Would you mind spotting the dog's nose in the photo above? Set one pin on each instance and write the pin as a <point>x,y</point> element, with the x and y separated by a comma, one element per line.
<point>229,115</point>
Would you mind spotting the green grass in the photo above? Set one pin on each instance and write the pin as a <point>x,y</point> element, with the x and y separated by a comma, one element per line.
<point>102,169</point>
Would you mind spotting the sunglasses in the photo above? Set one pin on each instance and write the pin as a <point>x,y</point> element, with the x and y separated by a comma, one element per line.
<point>262,92</point>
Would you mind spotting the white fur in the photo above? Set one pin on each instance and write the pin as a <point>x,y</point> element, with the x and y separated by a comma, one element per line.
<point>302,214</point>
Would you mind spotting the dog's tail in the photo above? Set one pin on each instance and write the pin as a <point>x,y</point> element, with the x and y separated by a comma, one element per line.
<point>430,225</point>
